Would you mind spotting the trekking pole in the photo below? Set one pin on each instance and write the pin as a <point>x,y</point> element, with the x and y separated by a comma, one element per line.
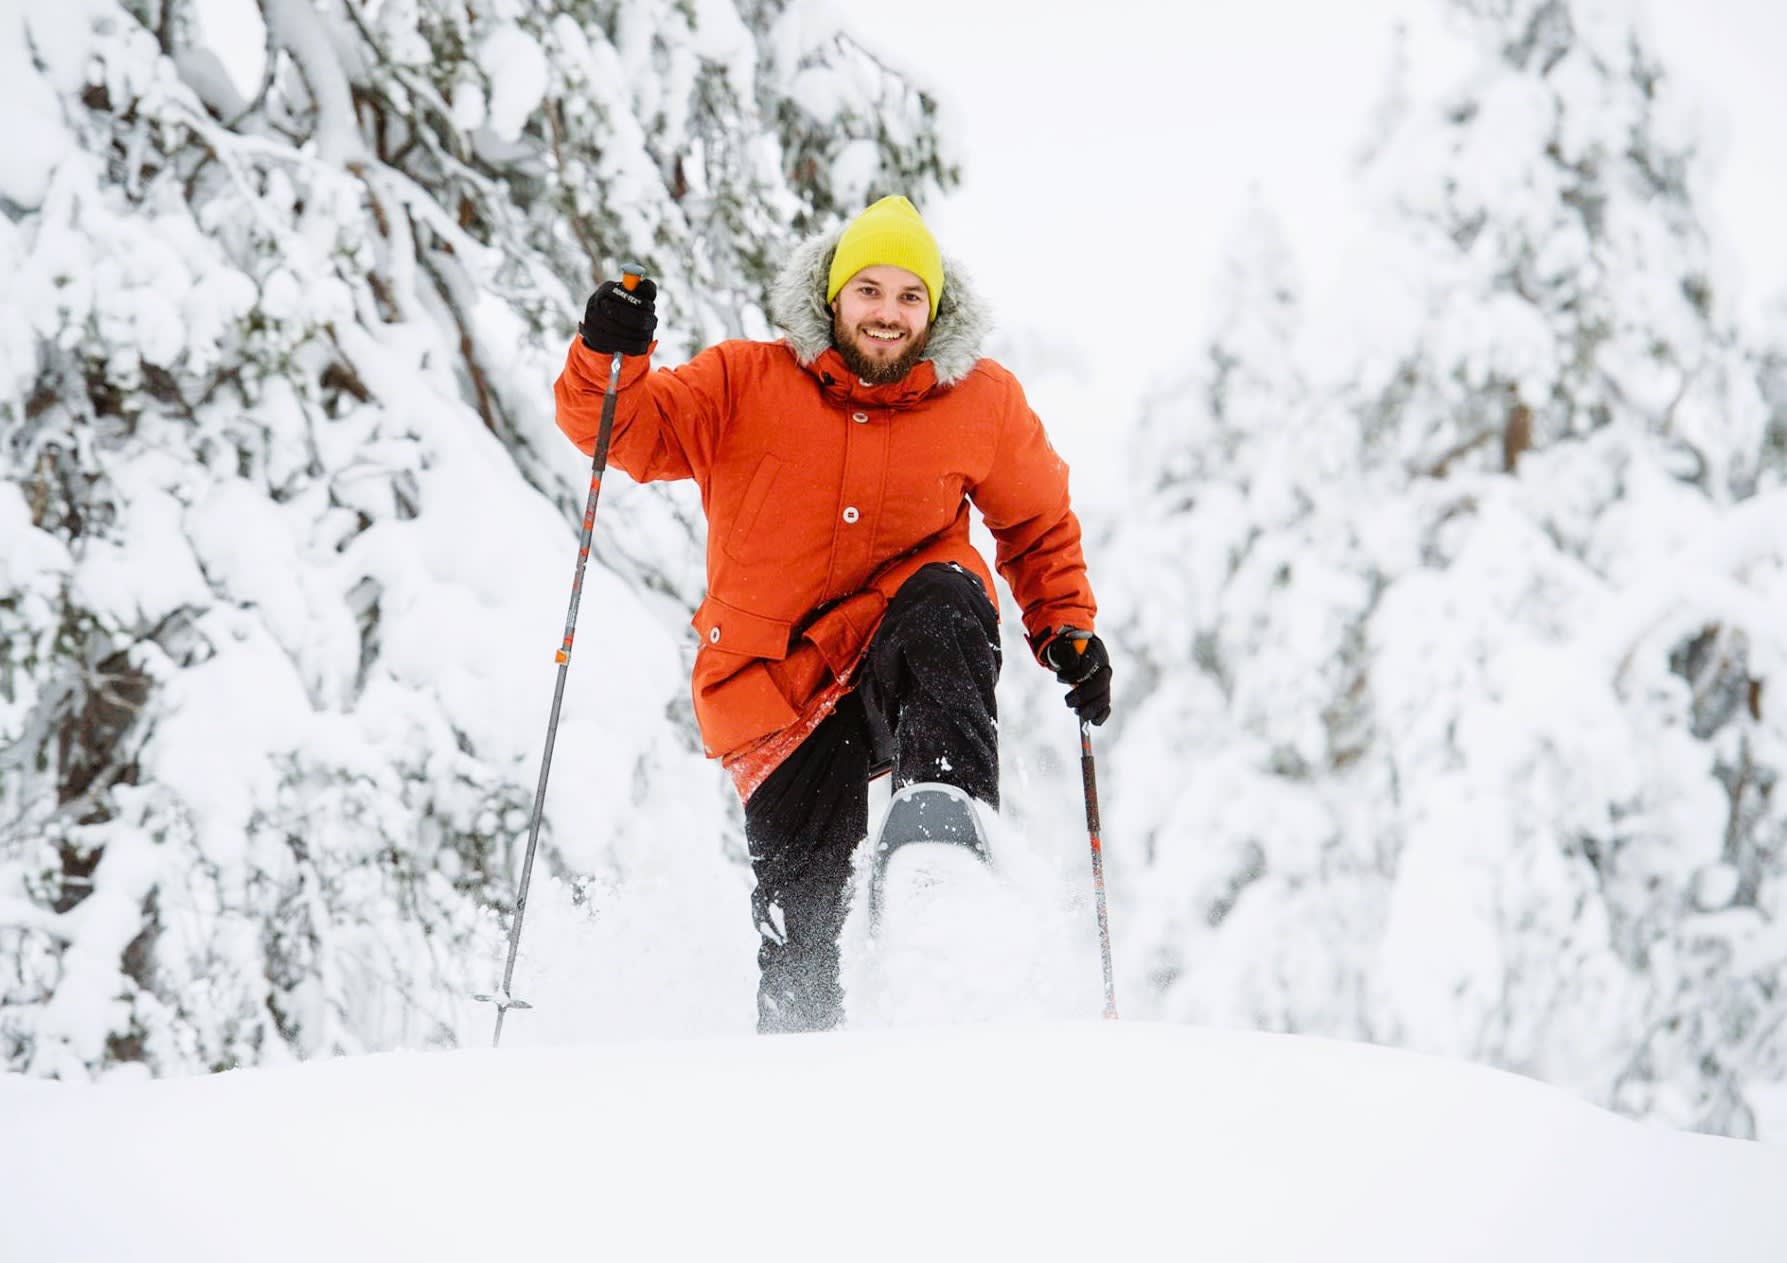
<point>1089,775</point>
<point>631,275</point>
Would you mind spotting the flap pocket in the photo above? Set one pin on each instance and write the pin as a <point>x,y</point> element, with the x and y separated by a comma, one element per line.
<point>739,709</point>
<point>732,630</point>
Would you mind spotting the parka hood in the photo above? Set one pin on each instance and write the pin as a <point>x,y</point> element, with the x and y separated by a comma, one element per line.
<point>797,305</point>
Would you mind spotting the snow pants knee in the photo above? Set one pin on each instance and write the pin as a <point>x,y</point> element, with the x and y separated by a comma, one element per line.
<point>924,702</point>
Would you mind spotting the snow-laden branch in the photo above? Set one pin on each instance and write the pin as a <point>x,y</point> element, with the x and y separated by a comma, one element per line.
<point>99,929</point>
<point>22,914</point>
<point>297,27</point>
<point>1702,576</point>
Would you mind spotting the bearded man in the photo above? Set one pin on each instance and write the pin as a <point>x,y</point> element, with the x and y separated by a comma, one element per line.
<point>848,624</point>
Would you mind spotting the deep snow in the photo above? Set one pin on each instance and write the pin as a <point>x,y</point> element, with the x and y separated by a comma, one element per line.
<point>1032,1141</point>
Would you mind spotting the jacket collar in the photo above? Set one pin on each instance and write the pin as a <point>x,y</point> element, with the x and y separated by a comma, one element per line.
<point>797,304</point>
<point>841,384</point>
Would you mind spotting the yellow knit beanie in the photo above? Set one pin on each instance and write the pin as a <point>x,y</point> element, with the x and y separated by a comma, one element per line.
<point>889,233</point>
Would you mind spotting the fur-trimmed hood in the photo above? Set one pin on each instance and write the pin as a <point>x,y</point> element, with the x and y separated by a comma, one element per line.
<point>797,305</point>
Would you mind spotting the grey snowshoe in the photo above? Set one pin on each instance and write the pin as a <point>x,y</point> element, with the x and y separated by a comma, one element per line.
<point>929,812</point>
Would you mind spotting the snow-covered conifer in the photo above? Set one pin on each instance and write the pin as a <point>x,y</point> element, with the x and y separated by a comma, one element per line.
<point>1535,579</point>
<point>286,529</point>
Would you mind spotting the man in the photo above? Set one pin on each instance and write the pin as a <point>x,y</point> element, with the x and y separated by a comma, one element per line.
<point>848,621</point>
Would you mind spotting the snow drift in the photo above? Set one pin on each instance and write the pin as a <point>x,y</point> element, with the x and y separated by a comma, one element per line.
<point>1039,1141</point>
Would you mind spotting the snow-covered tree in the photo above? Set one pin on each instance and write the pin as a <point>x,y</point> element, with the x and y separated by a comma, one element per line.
<point>1520,620</point>
<point>1576,284</point>
<point>285,532</point>
<point>1244,662</point>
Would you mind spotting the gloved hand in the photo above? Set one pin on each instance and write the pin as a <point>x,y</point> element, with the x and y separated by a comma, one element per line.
<point>1079,658</point>
<point>617,319</point>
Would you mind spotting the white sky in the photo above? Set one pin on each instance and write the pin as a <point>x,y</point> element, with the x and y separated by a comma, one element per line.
<point>1130,142</point>
<point>1135,136</point>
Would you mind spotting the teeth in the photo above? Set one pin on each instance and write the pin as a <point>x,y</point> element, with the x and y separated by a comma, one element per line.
<point>884,337</point>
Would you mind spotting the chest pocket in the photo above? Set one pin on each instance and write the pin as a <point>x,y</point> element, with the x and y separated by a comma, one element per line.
<point>743,540</point>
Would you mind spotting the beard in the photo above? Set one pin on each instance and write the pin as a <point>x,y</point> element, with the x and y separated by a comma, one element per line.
<point>876,372</point>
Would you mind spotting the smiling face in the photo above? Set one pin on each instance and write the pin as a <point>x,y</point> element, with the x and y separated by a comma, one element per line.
<point>880,320</point>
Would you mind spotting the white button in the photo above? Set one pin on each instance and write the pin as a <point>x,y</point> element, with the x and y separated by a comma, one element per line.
<point>713,636</point>
<point>859,417</point>
<point>850,514</point>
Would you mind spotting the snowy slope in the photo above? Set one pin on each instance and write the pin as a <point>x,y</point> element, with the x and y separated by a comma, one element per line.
<point>1110,1141</point>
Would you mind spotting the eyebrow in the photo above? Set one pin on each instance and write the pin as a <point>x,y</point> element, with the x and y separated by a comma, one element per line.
<point>920,290</point>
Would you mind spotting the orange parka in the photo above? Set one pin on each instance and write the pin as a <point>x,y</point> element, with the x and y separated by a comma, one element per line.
<point>823,495</point>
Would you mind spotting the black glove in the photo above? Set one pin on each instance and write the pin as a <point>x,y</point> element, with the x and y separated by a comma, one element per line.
<point>1080,659</point>
<point>620,320</point>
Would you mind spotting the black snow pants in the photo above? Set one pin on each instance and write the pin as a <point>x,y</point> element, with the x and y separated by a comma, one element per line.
<point>924,700</point>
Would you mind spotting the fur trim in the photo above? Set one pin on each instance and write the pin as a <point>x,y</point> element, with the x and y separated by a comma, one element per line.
<point>797,305</point>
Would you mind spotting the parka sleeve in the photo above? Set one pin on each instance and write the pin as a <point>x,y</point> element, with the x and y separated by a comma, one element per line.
<point>1025,502</point>
<point>666,421</point>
